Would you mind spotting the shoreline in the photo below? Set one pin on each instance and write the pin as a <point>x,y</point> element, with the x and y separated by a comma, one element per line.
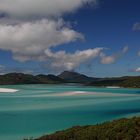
<point>122,127</point>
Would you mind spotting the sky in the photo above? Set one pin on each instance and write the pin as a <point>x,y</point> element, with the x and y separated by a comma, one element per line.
<point>99,38</point>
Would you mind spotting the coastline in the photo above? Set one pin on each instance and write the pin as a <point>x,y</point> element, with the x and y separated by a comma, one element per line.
<point>124,128</point>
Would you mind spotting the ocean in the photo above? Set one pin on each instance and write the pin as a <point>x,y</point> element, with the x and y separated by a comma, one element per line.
<point>36,110</point>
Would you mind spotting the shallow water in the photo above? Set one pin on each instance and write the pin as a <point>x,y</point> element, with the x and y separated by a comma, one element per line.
<point>39,109</point>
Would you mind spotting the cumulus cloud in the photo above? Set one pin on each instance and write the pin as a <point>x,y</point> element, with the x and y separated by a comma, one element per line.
<point>31,28</point>
<point>139,53</point>
<point>67,61</point>
<point>29,40</point>
<point>105,59</point>
<point>40,8</point>
<point>137,70</point>
<point>34,40</point>
<point>136,26</point>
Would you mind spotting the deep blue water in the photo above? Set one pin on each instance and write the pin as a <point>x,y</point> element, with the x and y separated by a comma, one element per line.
<point>40,109</point>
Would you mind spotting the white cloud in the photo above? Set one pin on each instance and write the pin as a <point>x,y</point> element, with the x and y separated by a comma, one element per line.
<point>29,40</point>
<point>33,27</point>
<point>66,61</point>
<point>136,26</point>
<point>40,8</point>
<point>112,58</point>
<point>42,28</point>
<point>138,69</point>
<point>35,40</point>
<point>107,59</point>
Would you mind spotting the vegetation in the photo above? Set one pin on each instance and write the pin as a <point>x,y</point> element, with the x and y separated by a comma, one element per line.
<point>123,129</point>
<point>20,78</point>
<point>74,77</point>
<point>128,81</point>
<point>49,79</point>
<point>69,77</point>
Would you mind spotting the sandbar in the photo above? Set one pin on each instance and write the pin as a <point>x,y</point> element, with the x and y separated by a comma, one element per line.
<point>7,90</point>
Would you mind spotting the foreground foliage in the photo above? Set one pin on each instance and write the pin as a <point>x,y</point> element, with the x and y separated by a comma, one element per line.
<point>123,129</point>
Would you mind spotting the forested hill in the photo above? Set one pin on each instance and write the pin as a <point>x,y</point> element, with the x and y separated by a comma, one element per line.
<point>69,77</point>
<point>127,81</point>
<point>123,129</point>
<point>20,78</point>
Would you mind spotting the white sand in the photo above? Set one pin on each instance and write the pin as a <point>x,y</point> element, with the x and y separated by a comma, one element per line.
<point>79,93</point>
<point>102,94</point>
<point>112,87</point>
<point>71,93</point>
<point>7,90</point>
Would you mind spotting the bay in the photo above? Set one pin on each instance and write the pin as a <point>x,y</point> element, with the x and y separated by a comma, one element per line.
<point>36,110</point>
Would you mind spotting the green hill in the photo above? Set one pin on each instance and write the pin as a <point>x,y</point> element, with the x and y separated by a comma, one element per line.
<point>127,81</point>
<point>20,78</point>
<point>69,77</point>
<point>122,129</point>
<point>74,77</point>
<point>51,79</point>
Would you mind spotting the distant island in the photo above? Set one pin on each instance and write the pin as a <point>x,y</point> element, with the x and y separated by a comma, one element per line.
<point>122,129</point>
<point>126,81</point>
<point>70,77</point>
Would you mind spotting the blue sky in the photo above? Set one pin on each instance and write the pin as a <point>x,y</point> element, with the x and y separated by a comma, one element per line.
<point>95,37</point>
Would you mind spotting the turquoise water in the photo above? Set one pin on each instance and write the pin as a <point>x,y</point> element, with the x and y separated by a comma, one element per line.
<point>39,109</point>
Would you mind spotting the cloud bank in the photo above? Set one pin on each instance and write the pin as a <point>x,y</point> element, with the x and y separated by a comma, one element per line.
<point>30,29</point>
<point>29,40</point>
<point>34,40</point>
<point>41,8</point>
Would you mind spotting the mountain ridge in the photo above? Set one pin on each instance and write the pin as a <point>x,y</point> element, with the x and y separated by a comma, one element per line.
<point>69,77</point>
<point>21,78</point>
<point>75,77</point>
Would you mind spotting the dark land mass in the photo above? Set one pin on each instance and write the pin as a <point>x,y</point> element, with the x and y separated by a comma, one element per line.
<point>74,77</point>
<point>127,81</point>
<point>122,129</point>
<point>20,78</point>
<point>69,77</point>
